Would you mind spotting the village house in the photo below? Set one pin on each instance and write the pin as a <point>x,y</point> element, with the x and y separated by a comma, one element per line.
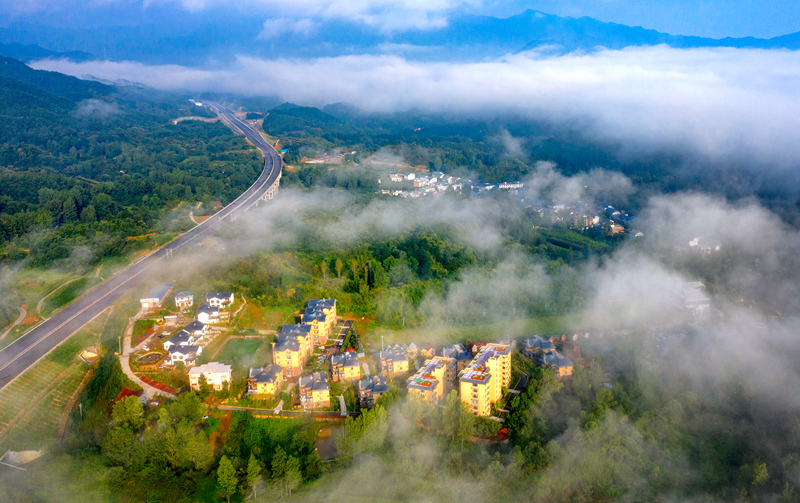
<point>536,345</point>
<point>216,375</point>
<point>393,362</point>
<point>288,355</point>
<point>412,351</point>
<point>427,351</point>
<point>155,297</point>
<point>207,313</point>
<point>558,363</point>
<point>459,353</point>
<point>218,299</point>
<point>302,333</point>
<point>265,380</point>
<point>185,354</point>
<point>370,389</point>
<point>196,328</point>
<point>482,382</point>
<point>315,392</point>
<point>434,379</point>
<point>184,299</point>
<point>345,367</point>
<point>183,338</point>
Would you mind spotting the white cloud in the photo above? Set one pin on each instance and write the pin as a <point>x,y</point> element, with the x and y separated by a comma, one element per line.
<point>727,104</point>
<point>274,28</point>
<point>386,15</point>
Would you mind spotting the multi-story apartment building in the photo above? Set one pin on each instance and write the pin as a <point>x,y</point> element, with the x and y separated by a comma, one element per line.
<point>346,367</point>
<point>315,392</point>
<point>319,325</point>
<point>370,389</point>
<point>215,373</point>
<point>394,363</point>
<point>482,381</point>
<point>434,379</point>
<point>327,306</point>
<point>265,381</point>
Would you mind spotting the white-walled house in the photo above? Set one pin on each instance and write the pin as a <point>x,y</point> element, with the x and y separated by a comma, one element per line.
<point>217,299</point>
<point>215,373</point>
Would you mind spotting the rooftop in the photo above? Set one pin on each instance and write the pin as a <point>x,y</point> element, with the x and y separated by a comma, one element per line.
<point>218,295</point>
<point>158,292</point>
<point>457,351</point>
<point>322,303</point>
<point>477,371</point>
<point>210,367</point>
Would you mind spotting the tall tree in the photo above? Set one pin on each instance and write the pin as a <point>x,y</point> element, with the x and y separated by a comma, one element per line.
<point>253,473</point>
<point>226,479</point>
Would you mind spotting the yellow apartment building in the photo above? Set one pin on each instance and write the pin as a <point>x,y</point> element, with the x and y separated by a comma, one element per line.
<point>319,325</point>
<point>265,381</point>
<point>315,392</point>
<point>327,306</point>
<point>481,383</point>
<point>346,367</point>
<point>433,380</point>
<point>393,363</point>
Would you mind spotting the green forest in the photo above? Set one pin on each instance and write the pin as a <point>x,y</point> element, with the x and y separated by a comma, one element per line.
<point>85,165</point>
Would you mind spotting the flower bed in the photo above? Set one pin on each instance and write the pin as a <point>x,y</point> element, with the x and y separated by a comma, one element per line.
<point>158,385</point>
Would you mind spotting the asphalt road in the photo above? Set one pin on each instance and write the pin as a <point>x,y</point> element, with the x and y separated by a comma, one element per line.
<point>37,342</point>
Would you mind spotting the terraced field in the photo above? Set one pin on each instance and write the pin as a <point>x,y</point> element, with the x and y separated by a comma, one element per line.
<point>33,406</point>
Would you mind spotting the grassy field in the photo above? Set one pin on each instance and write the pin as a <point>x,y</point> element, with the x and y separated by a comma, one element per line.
<point>265,318</point>
<point>245,352</point>
<point>66,294</point>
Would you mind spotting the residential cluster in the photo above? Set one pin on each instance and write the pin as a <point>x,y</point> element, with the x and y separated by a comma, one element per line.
<point>293,347</point>
<point>185,345</point>
<point>413,185</point>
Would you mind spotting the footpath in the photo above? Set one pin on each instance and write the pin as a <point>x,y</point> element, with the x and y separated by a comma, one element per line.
<point>124,360</point>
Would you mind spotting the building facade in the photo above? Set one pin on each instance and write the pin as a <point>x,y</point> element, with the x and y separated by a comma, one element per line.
<point>315,392</point>
<point>216,375</point>
<point>481,383</point>
<point>184,299</point>
<point>345,367</point>
<point>434,379</point>
<point>265,380</point>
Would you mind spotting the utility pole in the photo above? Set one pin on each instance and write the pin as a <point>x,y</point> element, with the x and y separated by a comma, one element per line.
<point>119,338</point>
<point>382,343</point>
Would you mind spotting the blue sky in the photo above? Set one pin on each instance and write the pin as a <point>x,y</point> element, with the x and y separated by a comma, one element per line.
<point>712,18</point>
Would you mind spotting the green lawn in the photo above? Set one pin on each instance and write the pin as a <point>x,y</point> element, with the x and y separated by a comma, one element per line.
<point>245,352</point>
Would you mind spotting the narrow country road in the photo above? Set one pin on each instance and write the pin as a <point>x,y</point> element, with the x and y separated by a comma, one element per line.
<point>23,313</point>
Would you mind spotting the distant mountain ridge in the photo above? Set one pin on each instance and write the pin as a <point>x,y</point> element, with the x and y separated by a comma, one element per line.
<point>533,29</point>
<point>55,83</point>
<point>196,39</point>
<point>32,52</point>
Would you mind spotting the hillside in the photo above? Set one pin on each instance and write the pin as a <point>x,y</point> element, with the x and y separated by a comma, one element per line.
<point>56,83</point>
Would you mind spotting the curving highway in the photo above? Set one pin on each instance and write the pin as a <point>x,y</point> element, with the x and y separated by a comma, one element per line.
<point>38,341</point>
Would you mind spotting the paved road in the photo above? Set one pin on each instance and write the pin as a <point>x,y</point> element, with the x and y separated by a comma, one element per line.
<point>37,342</point>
